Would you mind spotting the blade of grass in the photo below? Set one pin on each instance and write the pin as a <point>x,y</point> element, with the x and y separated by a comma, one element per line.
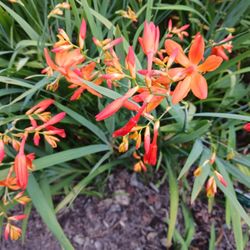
<point>83,183</point>
<point>174,203</point>
<point>193,156</point>
<point>68,155</point>
<point>25,26</point>
<point>86,123</point>
<point>46,213</point>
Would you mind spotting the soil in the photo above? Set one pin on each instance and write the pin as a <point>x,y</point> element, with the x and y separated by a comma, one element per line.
<point>131,217</point>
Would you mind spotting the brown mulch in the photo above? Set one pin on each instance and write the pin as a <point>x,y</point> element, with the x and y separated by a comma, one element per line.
<point>131,217</point>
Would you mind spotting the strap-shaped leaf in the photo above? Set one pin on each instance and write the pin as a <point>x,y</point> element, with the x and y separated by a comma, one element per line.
<point>46,212</point>
<point>193,156</point>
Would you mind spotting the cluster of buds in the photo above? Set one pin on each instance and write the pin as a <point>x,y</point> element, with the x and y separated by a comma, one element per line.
<point>129,14</point>
<point>167,68</point>
<point>58,9</point>
<point>211,186</point>
<point>16,181</point>
<point>225,45</point>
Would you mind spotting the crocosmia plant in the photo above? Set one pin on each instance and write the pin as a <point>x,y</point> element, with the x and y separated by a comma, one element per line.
<point>160,91</point>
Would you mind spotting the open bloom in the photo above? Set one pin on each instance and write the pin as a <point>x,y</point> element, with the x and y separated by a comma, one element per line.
<point>88,73</point>
<point>192,78</point>
<point>64,60</point>
<point>150,41</point>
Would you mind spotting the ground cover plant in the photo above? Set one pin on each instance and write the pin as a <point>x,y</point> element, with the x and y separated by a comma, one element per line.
<point>89,85</point>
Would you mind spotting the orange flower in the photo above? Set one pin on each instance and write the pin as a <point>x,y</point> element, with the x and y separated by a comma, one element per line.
<point>130,14</point>
<point>63,43</point>
<point>12,231</point>
<point>211,187</point>
<point>17,217</point>
<point>193,79</point>
<point>220,178</point>
<point>82,34</point>
<point>22,199</point>
<point>10,182</point>
<point>107,43</point>
<point>21,165</point>
<point>150,157</point>
<point>114,106</point>
<point>139,166</point>
<point>150,41</point>
<point>220,50</point>
<point>132,122</point>
<point>180,32</point>
<point>64,60</point>
<point>130,62</point>
<point>40,107</point>
<point>87,73</point>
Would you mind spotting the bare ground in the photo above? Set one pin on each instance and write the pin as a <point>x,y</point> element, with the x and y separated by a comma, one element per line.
<point>131,217</point>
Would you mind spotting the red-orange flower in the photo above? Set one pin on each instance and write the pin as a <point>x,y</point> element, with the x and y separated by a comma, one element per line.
<point>150,156</point>
<point>220,49</point>
<point>192,75</point>
<point>40,107</point>
<point>246,127</point>
<point>21,165</point>
<point>114,106</point>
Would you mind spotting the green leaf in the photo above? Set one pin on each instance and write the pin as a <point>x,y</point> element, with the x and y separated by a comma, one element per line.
<point>84,182</point>
<point>46,213</point>
<point>193,156</point>
<point>237,229</point>
<point>32,90</point>
<point>176,7</point>
<point>86,123</point>
<point>200,180</point>
<point>229,191</point>
<point>197,133</point>
<point>174,203</point>
<point>68,155</point>
<point>224,115</point>
<point>25,26</point>
<point>212,238</point>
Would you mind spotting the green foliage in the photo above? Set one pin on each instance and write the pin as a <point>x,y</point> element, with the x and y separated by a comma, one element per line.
<point>191,132</point>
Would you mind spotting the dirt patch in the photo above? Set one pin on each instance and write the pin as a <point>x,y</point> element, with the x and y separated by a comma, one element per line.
<point>131,217</point>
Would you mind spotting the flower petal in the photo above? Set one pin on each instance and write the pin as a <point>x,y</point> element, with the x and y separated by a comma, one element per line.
<point>181,58</point>
<point>211,64</point>
<point>197,49</point>
<point>181,90</point>
<point>199,86</point>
